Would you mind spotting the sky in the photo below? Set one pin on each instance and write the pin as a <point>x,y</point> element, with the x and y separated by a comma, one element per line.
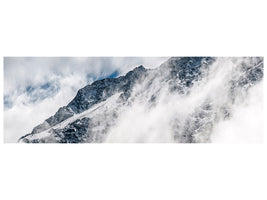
<point>35,87</point>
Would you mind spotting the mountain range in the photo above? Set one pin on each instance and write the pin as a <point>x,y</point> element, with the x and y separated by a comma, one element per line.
<point>181,101</point>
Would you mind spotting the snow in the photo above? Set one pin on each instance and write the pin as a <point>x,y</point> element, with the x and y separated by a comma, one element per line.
<point>90,113</point>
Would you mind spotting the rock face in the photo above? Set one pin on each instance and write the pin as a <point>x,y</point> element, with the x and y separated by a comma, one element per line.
<point>99,107</point>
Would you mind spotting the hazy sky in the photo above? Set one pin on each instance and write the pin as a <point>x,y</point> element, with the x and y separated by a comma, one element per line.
<point>34,88</point>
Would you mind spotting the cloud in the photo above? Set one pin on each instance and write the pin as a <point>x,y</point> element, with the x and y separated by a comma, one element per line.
<point>246,124</point>
<point>35,87</point>
<point>20,72</point>
<point>203,111</point>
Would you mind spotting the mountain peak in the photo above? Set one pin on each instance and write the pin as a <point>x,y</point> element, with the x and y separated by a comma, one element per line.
<point>140,67</point>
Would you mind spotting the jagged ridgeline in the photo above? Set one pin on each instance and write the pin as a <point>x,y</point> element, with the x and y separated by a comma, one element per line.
<point>193,93</point>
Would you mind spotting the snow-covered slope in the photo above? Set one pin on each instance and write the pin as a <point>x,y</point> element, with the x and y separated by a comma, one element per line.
<point>183,100</point>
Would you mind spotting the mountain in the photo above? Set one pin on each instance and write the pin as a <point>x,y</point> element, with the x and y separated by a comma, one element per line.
<point>180,101</point>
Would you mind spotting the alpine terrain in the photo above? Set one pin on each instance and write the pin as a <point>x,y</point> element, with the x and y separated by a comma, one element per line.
<point>184,100</point>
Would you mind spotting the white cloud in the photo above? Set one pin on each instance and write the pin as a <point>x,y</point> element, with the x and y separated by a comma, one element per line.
<point>19,72</point>
<point>140,123</point>
<point>246,124</point>
<point>25,115</point>
<point>70,74</point>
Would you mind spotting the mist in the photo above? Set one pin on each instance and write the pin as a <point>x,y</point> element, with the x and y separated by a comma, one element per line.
<point>209,110</point>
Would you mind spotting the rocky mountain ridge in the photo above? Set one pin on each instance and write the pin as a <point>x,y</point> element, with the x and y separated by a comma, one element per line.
<point>97,107</point>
